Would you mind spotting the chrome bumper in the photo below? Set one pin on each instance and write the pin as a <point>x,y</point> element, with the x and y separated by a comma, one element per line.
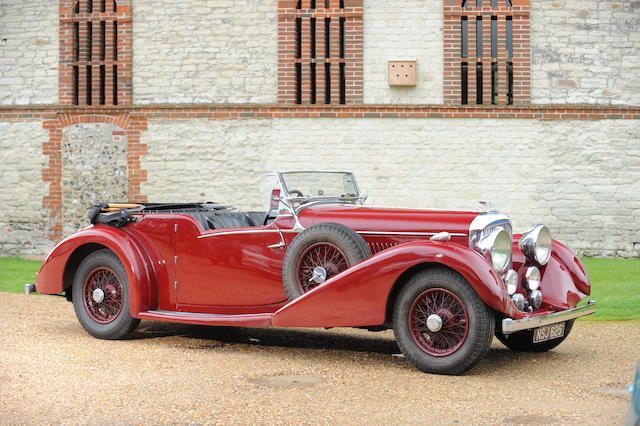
<point>510,325</point>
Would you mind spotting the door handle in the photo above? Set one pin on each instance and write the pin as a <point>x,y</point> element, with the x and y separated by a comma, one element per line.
<point>277,245</point>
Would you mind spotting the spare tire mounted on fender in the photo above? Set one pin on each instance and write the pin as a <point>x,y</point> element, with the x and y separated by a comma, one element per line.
<point>318,253</point>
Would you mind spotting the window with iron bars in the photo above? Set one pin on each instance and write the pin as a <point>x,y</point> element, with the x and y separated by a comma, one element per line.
<point>487,52</point>
<point>320,52</point>
<point>95,54</point>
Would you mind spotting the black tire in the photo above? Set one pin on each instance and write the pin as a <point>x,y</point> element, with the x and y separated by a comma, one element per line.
<point>111,318</point>
<point>334,236</point>
<point>523,340</point>
<point>454,348</point>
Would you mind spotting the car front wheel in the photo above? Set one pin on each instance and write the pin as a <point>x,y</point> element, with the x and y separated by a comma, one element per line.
<point>101,296</point>
<point>440,323</point>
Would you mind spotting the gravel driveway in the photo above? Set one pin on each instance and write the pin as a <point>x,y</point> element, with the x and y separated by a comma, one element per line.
<point>52,371</point>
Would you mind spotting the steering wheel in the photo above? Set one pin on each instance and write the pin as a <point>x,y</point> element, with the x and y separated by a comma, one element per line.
<point>299,193</point>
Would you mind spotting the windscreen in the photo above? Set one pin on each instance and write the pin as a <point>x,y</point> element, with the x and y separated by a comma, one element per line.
<point>320,184</point>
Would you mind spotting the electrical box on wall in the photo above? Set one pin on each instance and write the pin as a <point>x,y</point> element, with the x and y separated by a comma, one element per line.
<point>402,73</point>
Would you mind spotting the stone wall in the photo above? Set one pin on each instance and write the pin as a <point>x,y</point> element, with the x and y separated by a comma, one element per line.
<point>585,52</point>
<point>413,31</point>
<point>94,169</point>
<point>199,52</point>
<point>23,222</point>
<point>578,177</point>
<point>28,52</point>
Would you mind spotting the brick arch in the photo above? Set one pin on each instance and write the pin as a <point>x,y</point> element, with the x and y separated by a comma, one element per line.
<point>120,120</point>
<point>52,172</point>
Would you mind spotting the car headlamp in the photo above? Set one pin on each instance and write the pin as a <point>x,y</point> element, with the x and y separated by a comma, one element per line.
<point>536,244</point>
<point>511,281</point>
<point>498,246</point>
<point>532,278</point>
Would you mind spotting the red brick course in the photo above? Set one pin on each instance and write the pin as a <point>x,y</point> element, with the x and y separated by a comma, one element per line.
<point>235,111</point>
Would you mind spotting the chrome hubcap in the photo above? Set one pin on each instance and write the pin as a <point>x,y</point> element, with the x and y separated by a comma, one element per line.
<point>98,295</point>
<point>434,323</point>
<point>319,274</point>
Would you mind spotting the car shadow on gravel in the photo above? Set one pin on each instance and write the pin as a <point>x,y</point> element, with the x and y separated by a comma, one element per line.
<point>499,360</point>
<point>382,343</point>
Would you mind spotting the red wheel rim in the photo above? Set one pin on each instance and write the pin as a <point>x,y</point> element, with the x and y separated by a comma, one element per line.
<point>108,285</point>
<point>324,255</point>
<point>455,322</point>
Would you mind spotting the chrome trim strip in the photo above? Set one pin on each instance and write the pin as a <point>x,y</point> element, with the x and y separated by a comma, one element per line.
<point>251,231</point>
<point>409,233</point>
<point>203,315</point>
<point>510,325</point>
<point>262,231</point>
<point>245,231</point>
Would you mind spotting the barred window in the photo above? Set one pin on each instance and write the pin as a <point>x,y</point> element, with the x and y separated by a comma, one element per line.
<point>95,56</point>
<point>320,51</point>
<point>487,52</point>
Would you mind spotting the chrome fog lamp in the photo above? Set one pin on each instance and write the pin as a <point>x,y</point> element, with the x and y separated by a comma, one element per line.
<point>498,245</point>
<point>535,299</point>
<point>519,300</point>
<point>536,244</point>
<point>511,281</point>
<point>532,278</point>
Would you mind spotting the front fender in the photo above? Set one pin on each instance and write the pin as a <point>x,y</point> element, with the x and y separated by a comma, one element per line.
<point>565,280</point>
<point>140,274</point>
<point>359,295</point>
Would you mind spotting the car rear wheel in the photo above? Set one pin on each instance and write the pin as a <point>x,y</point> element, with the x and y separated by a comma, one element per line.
<point>523,340</point>
<point>101,296</point>
<point>318,253</point>
<point>440,323</point>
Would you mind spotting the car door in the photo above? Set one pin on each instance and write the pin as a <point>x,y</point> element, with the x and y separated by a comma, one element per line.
<point>228,267</point>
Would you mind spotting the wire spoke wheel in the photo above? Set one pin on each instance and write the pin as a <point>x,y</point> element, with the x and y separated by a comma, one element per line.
<point>441,324</point>
<point>103,295</point>
<point>438,322</point>
<point>318,263</point>
<point>319,253</point>
<point>100,294</point>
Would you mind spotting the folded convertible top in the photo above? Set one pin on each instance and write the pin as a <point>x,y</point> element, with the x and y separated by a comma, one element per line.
<point>120,214</point>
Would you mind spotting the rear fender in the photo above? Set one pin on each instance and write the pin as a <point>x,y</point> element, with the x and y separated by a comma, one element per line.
<point>359,295</point>
<point>69,253</point>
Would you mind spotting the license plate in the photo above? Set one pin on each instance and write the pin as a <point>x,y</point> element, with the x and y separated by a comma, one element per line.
<point>548,332</point>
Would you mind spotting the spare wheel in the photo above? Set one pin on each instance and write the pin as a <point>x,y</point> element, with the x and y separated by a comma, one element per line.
<point>318,253</point>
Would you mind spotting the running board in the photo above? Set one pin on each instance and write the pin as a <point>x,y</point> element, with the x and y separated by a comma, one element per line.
<point>242,320</point>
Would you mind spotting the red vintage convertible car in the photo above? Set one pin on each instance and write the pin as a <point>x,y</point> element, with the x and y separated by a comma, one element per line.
<point>445,281</point>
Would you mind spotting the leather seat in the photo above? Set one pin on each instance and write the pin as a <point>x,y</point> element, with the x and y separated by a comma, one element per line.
<point>220,220</point>
<point>216,219</point>
<point>256,218</point>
